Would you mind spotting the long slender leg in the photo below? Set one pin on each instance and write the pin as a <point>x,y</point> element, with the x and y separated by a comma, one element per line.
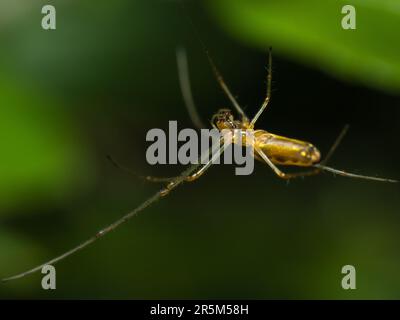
<point>326,159</point>
<point>322,165</point>
<point>335,144</point>
<point>184,82</point>
<point>268,96</point>
<point>147,178</point>
<point>302,174</point>
<point>198,173</point>
<point>192,177</point>
<point>353,175</point>
<point>190,174</point>
<point>278,172</point>
<point>101,233</point>
<point>225,88</point>
<point>318,169</point>
<point>308,172</point>
<point>203,169</point>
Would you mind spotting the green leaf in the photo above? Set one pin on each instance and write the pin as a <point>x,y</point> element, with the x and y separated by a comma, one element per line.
<point>311,32</point>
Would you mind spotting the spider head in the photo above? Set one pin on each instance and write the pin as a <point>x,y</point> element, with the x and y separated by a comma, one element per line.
<point>224,119</point>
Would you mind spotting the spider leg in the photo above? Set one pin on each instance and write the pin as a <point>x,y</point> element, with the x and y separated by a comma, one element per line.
<point>353,175</point>
<point>225,88</point>
<point>268,96</point>
<point>184,82</point>
<point>190,174</point>
<point>147,178</point>
<point>277,171</point>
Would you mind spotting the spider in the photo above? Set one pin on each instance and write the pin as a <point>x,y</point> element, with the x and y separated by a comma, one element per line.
<point>272,149</point>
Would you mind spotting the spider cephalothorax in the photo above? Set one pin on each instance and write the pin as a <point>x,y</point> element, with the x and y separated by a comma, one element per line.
<point>224,119</point>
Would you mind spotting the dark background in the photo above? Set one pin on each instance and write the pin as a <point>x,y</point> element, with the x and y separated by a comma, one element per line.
<point>106,76</point>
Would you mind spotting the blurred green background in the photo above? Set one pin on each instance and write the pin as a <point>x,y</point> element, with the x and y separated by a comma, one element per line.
<point>107,75</point>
